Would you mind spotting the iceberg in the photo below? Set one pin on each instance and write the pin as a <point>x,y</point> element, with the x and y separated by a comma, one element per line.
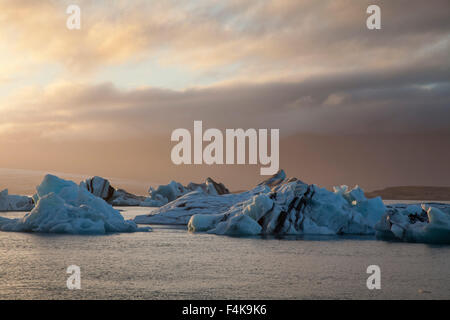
<point>102,188</point>
<point>295,208</point>
<point>99,187</point>
<point>277,206</point>
<point>371,209</point>
<point>172,191</point>
<point>64,207</point>
<point>158,197</point>
<point>179,211</point>
<point>10,202</point>
<point>123,198</point>
<point>275,180</point>
<point>209,187</point>
<point>210,198</point>
<point>166,193</point>
<point>426,223</point>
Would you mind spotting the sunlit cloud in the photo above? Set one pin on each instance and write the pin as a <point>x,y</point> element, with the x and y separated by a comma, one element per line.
<point>401,101</point>
<point>236,40</point>
<point>139,69</point>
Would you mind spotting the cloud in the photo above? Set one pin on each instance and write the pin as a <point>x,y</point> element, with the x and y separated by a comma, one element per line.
<point>302,66</point>
<point>403,100</point>
<point>310,68</point>
<point>264,40</point>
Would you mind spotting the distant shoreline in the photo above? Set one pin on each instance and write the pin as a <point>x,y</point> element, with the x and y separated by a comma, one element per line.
<point>412,193</point>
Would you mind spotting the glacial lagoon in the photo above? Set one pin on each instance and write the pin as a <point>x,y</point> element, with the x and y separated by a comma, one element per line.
<point>171,263</point>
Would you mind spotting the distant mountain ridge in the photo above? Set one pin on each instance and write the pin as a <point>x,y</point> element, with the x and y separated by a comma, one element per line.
<point>412,193</point>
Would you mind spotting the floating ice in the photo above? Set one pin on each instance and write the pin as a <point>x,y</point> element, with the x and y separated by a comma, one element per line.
<point>275,180</point>
<point>288,207</point>
<point>180,210</point>
<point>202,201</point>
<point>167,193</point>
<point>10,202</point>
<point>101,187</point>
<point>371,209</point>
<point>158,197</point>
<point>172,191</point>
<point>414,223</point>
<point>64,207</point>
<point>295,208</point>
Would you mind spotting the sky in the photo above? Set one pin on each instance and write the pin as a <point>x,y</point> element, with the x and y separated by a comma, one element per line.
<point>353,105</point>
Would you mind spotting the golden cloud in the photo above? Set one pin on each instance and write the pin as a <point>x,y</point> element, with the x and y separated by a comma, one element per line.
<point>258,40</point>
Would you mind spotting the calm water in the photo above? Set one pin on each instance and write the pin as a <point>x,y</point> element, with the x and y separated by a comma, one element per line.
<point>170,263</point>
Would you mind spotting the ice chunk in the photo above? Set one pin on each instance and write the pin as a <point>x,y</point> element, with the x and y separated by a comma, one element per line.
<point>99,187</point>
<point>158,197</point>
<point>124,198</point>
<point>14,202</point>
<point>286,207</point>
<point>172,191</point>
<point>238,225</point>
<point>352,196</point>
<point>371,209</point>
<point>294,207</point>
<point>258,207</point>
<point>168,193</point>
<point>210,187</point>
<point>203,222</point>
<point>102,188</point>
<point>64,207</point>
<point>180,210</point>
<point>275,180</point>
<point>412,223</point>
<point>245,223</point>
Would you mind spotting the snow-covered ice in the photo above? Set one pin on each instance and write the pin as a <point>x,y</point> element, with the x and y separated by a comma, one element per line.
<point>9,202</point>
<point>64,207</point>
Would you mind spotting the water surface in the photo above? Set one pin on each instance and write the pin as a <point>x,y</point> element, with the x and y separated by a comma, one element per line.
<point>170,263</point>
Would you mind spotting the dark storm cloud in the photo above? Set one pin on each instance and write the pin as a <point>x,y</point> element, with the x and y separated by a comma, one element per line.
<point>410,99</point>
